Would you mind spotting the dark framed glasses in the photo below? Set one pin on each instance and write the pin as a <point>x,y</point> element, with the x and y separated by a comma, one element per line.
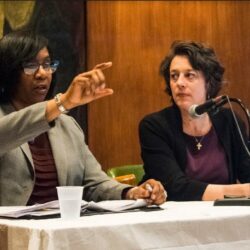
<point>30,68</point>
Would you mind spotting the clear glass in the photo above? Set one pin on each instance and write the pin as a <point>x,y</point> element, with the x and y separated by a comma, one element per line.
<point>30,68</point>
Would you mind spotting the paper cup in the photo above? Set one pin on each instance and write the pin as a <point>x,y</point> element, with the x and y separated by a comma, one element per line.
<point>70,198</point>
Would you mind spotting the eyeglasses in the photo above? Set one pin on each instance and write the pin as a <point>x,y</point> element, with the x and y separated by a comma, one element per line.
<point>30,68</point>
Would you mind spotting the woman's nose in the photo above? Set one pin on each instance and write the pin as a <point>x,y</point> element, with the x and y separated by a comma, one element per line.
<point>181,81</point>
<point>40,71</point>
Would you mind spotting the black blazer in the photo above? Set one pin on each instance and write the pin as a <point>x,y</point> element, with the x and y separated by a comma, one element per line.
<point>163,150</point>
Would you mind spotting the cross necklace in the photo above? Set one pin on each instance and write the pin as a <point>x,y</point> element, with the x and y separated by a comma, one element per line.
<point>198,142</point>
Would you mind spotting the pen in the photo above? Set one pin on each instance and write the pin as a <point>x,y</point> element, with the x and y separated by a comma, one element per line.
<point>149,187</point>
<point>166,194</point>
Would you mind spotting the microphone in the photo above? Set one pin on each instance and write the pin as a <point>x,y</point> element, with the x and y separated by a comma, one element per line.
<point>212,104</point>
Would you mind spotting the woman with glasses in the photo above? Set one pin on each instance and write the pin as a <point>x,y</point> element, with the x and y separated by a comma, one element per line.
<point>40,147</point>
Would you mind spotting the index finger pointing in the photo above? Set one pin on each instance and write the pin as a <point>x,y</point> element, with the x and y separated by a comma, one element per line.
<point>103,65</point>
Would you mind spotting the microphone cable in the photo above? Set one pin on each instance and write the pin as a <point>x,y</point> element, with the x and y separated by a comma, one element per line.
<point>238,101</point>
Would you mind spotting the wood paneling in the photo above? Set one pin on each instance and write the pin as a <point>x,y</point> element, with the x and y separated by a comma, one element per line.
<point>136,36</point>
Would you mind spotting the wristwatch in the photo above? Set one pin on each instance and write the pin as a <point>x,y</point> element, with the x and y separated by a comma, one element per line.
<point>61,108</point>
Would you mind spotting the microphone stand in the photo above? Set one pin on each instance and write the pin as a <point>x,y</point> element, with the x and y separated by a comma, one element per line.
<point>238,101</point>
<point>246,112</point>
<point>226,99</point>
<point>216,107</point>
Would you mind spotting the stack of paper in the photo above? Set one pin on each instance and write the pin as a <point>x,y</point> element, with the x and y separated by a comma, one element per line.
<point>52,207</point>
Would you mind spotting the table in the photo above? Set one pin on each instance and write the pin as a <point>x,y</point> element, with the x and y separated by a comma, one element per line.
<point>181,225</point>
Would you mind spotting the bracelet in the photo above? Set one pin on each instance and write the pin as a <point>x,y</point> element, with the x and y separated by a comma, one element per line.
<point>61,108</point>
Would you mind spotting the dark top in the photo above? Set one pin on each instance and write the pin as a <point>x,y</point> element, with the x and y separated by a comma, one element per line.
<point>46,178</point>
<point>207,163</point>
<point>164,152</point>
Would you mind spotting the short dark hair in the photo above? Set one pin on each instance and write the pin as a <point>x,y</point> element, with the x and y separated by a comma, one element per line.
<point>202,58</point>
<point>15,48</point>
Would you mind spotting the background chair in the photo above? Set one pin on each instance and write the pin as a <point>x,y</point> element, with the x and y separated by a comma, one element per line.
<point>129,174</point>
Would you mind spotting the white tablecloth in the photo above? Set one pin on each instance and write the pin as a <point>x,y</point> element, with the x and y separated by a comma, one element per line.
<point>181,225</point>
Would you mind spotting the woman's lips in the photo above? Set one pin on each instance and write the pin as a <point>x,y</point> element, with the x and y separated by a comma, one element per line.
<point>41,90</point>
<point>182,95</point>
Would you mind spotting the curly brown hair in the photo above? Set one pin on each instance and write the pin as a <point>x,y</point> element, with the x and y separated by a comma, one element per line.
<point>201,58</point>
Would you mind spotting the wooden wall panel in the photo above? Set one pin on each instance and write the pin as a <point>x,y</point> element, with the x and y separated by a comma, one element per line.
<point>136,36</point>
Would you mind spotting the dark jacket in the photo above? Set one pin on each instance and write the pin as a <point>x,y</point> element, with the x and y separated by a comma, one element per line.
<point>163,150</point>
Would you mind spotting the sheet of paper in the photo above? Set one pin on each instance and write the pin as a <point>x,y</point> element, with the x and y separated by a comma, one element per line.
<point>117,205</point>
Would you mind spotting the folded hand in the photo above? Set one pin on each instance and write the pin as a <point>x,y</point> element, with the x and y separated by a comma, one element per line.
<point>151,190</point>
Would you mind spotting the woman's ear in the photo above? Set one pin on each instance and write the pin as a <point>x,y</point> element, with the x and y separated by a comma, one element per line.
<point>208,88</point>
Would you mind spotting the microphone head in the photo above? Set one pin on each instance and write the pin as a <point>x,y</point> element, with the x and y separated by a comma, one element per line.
<point>192,111</point>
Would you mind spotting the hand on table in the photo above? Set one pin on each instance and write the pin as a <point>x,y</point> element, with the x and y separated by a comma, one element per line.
<point>151,190</point>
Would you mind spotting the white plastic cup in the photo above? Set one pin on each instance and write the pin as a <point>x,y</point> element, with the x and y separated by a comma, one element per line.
<point>70,198</point>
